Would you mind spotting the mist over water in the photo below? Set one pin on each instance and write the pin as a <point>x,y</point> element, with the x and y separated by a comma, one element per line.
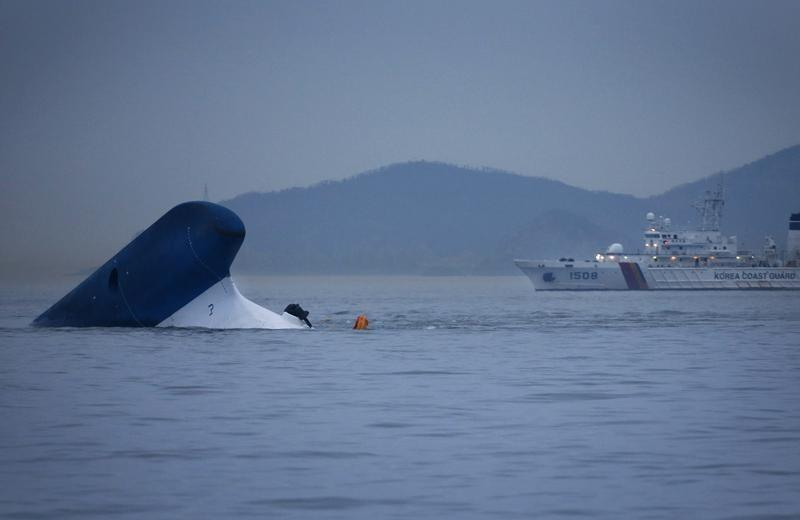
<point>466,398</point>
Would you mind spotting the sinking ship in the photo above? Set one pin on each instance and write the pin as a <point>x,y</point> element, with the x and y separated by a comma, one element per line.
<point>702,258</point>
<point>175,273</point>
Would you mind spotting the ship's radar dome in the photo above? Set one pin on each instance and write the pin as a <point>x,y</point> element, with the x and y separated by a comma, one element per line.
<point>650,216</point>
<point>667,222</point>
<point>614,249</point>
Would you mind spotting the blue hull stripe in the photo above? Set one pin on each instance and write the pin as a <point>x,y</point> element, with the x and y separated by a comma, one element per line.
<point>633,276</point>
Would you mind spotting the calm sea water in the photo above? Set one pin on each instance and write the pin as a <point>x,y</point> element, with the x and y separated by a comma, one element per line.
<point>467,398</point>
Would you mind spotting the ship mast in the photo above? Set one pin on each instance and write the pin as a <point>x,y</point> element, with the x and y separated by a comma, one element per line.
<point>710,208</point>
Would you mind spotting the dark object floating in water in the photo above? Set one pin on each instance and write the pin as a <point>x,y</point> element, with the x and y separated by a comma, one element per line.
<point>175,273</point>
<point>298,312</point>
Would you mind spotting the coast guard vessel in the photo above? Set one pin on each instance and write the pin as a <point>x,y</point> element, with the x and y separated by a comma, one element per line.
<point>701,258</point>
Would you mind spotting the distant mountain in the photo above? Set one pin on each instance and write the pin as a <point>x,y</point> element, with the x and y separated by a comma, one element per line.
<point>551,234</point>
<point>435,218</point>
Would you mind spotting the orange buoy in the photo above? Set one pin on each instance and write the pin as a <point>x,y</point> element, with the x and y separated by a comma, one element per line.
<point>361,322</point>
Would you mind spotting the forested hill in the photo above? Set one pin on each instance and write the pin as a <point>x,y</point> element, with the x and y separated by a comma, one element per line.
<point>435,218</point>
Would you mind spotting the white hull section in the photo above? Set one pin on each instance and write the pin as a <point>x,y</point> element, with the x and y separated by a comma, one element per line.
<point>587,277</point>
<point>222,306</point>
<point>610,276</point>
<point>722,278</point>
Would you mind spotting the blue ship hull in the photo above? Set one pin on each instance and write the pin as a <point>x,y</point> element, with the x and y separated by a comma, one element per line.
<point>179,257</point>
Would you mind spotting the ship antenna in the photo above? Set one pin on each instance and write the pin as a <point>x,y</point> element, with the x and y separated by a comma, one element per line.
<point>205,192</point>
<point>710,207</point>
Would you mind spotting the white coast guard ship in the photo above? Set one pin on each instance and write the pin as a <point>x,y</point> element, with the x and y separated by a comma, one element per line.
<point>703,258</point>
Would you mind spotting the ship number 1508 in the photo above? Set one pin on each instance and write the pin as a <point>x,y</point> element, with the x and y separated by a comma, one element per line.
<point>578,275</point>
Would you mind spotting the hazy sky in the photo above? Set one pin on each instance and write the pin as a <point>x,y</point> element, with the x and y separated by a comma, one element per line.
<point>112,112</point>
